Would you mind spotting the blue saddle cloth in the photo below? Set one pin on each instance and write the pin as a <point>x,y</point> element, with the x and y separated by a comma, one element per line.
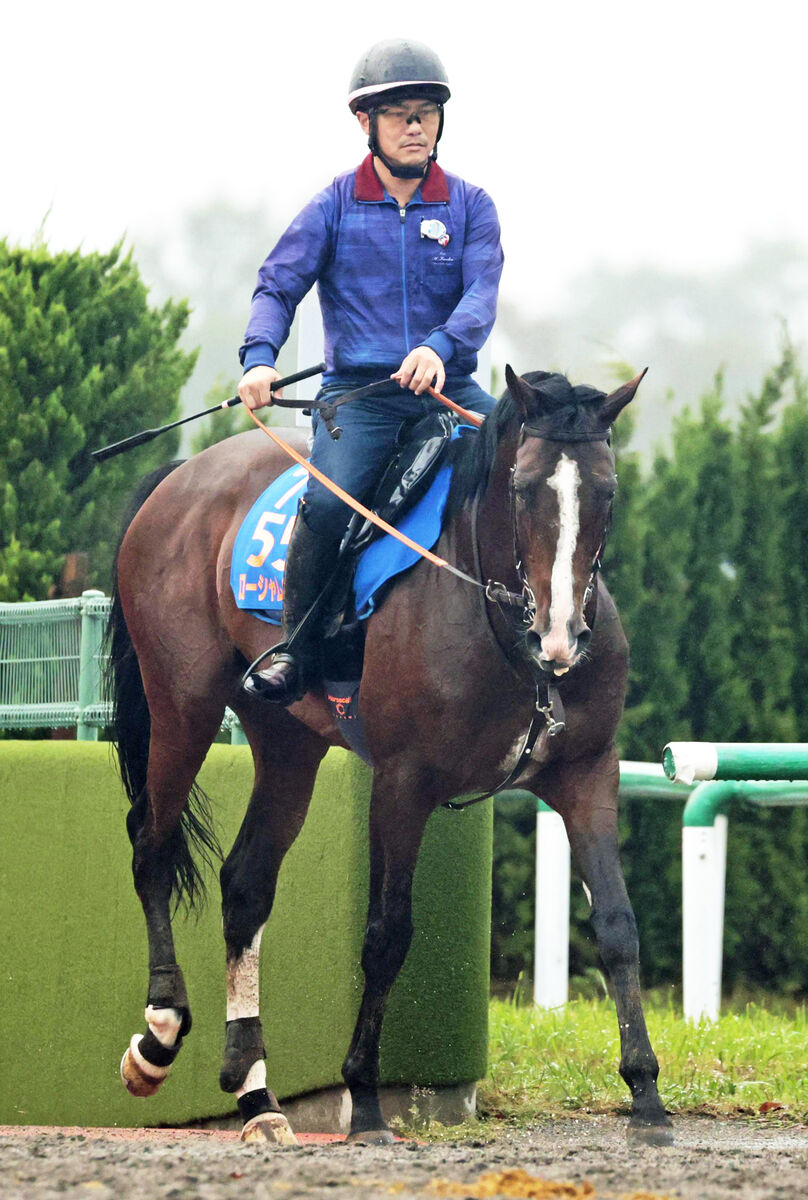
<point>259,554</point>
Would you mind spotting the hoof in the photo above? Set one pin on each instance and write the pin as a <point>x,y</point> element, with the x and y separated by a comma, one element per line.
<point>139,1080</point>
<point>644,1133</point>
<point>372,1137</point>
<point>272,1128</point>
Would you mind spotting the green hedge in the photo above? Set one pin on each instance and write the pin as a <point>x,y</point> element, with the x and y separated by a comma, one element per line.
<point>74,954</point>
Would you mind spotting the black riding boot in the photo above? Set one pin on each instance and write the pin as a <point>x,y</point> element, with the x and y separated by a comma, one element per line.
<point>310,560</point>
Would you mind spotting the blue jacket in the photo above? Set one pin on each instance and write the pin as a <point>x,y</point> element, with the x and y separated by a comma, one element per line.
<point>385,287</point>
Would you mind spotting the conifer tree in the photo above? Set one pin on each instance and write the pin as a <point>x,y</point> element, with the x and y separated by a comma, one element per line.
<point>704,451</point>
<point>84,361</point>
<point>792,456</point>
<point>763,642</point>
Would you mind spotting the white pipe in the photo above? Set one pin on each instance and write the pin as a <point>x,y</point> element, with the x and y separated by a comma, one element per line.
<point>552,934</point>
<point>704,864</point>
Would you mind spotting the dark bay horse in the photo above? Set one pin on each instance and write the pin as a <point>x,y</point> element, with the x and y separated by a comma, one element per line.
<point>448,692</point>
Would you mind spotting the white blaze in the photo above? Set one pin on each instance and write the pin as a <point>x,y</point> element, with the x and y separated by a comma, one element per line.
<point>564,481</point>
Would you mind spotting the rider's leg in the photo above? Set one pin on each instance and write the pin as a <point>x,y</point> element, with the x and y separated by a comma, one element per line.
<point>310,560</point>
<point>354,463</point>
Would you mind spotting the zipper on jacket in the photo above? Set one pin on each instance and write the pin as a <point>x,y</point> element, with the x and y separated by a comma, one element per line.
<point>402,212</point>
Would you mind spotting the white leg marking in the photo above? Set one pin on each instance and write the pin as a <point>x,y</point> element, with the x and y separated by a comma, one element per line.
<point>564,481</point>
<point>242,982</point>
<point>256,1078</point>
<point>164,1024</point>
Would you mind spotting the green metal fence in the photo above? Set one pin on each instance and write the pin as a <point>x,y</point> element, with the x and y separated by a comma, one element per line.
<point>51,667</point>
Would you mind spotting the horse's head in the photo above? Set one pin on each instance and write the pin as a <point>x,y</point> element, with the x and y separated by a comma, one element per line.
<point>563,489</point>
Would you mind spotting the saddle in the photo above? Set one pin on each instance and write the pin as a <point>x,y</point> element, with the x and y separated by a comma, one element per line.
<point>421,446</point>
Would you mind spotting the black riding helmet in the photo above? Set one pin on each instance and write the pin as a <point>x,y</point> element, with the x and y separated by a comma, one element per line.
<point>392,71</point>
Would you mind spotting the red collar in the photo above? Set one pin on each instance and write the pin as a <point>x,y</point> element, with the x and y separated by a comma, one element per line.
<point>368,186</point>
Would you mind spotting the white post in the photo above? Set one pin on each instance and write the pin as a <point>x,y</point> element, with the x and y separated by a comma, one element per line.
<point>704,867</point>
<point>309,349</point>
<point>551,969</point>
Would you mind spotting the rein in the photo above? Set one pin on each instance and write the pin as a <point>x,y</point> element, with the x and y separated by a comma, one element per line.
<point>496,592</point>
<point>548,710</point>
<point>328,408</point>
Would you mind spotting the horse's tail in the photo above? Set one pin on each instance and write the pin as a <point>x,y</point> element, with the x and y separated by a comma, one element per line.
<point>131,730</point>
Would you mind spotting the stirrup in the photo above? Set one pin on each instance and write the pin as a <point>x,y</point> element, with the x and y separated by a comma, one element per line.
<point>292,690</point>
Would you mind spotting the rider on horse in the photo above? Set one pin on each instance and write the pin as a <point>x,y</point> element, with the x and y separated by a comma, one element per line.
<point>407,260</point>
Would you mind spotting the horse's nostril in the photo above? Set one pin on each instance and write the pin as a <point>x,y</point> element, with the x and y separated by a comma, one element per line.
<point>584,637</point>
<point>532,642</point>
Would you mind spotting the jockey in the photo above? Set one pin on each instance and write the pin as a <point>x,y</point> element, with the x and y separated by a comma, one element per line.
<point>407,261</point>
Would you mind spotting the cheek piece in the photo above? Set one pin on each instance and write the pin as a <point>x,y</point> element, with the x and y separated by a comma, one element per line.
<point>397,171</point>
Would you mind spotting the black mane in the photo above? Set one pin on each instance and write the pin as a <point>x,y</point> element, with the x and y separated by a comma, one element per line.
<point>571,412</point>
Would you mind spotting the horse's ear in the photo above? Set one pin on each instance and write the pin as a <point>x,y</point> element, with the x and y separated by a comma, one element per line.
<point>526,398</point>
<point>617,400</point>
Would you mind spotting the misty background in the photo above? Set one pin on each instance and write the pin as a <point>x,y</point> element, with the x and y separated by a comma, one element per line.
<point>645,162</point>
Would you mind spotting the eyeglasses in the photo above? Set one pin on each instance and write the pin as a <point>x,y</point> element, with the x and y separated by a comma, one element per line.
<point>402,116</point>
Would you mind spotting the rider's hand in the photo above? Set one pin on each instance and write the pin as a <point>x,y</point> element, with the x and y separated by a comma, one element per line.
<point>422,368</point>
<point>254,388</point>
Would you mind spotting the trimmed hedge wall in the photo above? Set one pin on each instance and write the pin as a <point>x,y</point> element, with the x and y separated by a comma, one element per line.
<point>74,954</point>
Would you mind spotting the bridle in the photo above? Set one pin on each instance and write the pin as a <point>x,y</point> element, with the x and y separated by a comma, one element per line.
<point>527,600</point>
<point>548,711</point>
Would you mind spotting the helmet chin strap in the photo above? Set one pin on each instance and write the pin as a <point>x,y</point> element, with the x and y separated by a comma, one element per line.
<point>395,169</point>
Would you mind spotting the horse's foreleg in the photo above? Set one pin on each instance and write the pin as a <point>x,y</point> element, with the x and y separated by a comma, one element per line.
<point>159,856</point>
<point>148,1059</point>
<point>286,757</point>
<point>396,830</point>
<point>585,792</point>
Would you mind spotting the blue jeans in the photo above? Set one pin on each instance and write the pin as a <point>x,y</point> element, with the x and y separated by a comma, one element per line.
<point>369,426</point>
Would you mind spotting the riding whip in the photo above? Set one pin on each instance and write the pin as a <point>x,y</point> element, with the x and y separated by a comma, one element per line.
<point>146,435</point>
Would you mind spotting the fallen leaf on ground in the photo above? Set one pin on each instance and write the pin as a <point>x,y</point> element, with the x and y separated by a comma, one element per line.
<point>522,1186</point>
<point>516,1183</point>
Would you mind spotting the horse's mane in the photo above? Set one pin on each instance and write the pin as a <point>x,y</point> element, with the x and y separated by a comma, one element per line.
<point>570,411</point>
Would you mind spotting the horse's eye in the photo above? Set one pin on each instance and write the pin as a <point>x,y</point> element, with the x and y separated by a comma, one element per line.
<point>606,490</point>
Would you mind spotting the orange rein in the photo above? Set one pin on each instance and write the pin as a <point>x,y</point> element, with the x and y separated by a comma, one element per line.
<point>473,418</point>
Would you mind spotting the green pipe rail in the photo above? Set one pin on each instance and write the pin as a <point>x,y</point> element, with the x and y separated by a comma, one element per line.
<point>760,774</point>
<point>52,661</point>
<point>714,798</point>
<point>704,837</point>
<point>689,762</point>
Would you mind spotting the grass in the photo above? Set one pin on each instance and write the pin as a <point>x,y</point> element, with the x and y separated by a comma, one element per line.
<point>564,1061</point>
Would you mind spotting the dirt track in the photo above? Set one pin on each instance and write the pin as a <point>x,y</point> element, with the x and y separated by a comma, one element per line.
<point>712,1160</point>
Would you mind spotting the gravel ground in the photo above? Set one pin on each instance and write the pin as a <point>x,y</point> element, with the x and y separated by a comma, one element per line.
<point>712,1160</point>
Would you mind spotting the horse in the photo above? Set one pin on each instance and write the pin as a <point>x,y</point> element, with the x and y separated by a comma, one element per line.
<point>528,509</point>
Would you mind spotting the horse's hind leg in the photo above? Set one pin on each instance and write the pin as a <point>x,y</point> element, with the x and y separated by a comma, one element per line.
<point>585,793</point>
<point>161,864</point>
<point>286,756</point>
<point>397,824</point>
